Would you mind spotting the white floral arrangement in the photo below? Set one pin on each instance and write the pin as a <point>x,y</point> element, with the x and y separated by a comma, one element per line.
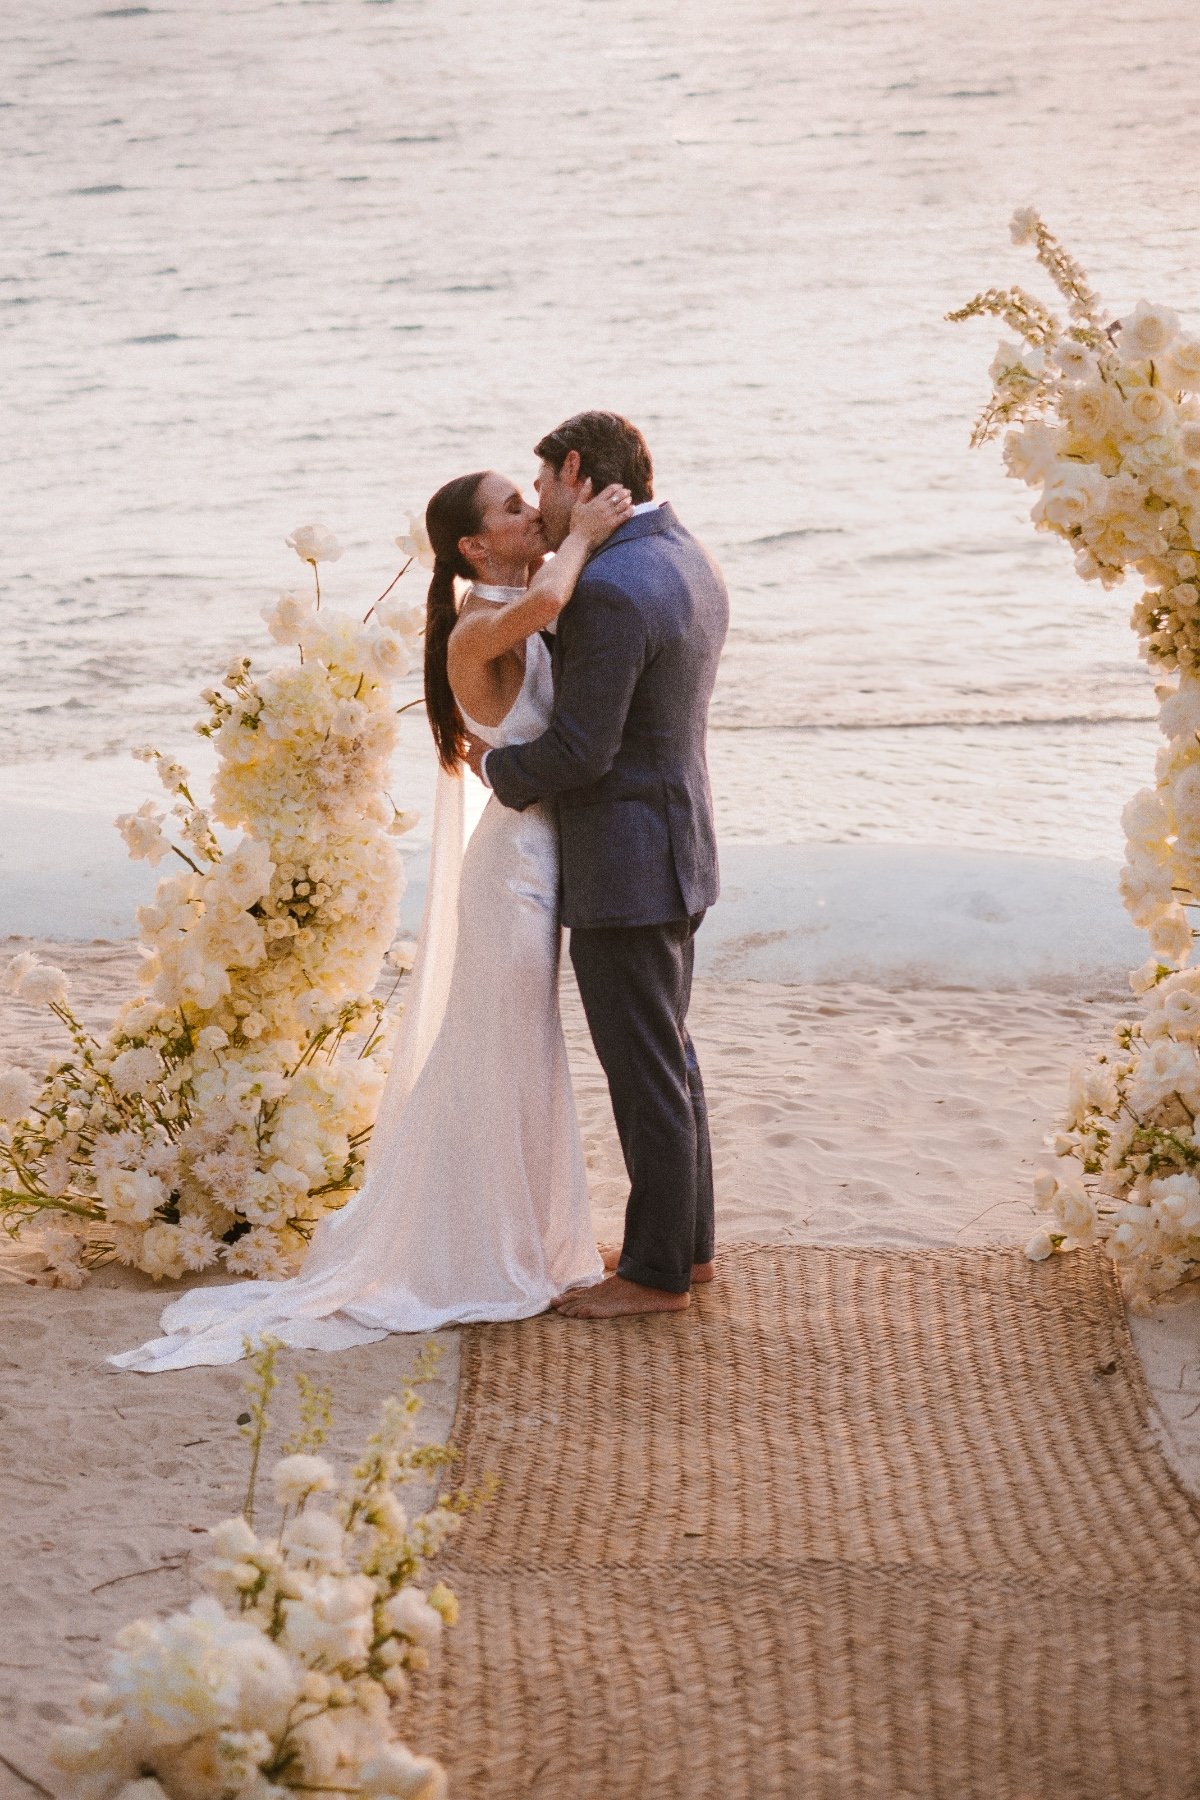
<point>228,1107</point>
<point>281,1679</point>
<point>1104,422</point>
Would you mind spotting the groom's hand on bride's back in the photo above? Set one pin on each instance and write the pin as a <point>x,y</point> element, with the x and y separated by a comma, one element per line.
<point>476,751</point>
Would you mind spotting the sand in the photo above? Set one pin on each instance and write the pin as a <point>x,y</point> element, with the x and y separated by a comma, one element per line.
<point>840,1114</point>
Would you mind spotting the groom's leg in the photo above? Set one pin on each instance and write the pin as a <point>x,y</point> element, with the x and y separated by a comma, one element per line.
<point>705,1229</point>
<point>634,982</point>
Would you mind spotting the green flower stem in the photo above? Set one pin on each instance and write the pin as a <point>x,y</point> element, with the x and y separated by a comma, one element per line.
<point>48,1203</point>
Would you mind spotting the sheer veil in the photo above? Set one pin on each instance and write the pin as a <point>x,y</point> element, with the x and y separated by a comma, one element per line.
<point>459,800</point>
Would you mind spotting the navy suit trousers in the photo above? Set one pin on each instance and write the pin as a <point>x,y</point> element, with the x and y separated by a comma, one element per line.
<point>636,984</point>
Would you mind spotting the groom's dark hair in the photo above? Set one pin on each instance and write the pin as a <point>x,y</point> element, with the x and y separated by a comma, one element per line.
<point>610,449</point>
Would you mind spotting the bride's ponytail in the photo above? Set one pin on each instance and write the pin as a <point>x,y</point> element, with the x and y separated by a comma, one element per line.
<point>453,513</point>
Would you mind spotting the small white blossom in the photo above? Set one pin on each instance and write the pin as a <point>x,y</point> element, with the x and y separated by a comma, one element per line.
<point>415,542</point>
<point>143,833</point>
<point>314,544</point>
<point>1023,224</point>
<point>1148,331</point>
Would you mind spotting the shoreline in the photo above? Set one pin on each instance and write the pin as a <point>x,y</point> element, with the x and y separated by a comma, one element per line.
<point>894,915</point>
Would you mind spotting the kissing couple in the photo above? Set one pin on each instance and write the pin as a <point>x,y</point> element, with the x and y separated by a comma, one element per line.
<point>577,688</point>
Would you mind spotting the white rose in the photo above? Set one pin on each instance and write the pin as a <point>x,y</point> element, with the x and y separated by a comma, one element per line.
<point>1150,410</point>
<point>1091,409</point>
<point>400,615</point>
<point>349,719</point>
<point>1182,366</point>
<point>388,656</point>
<point>1071,494</point>
<point>1148,331</point>
<point>244,1094</point>
<point>161,1253</point>
<point>17,1094</point>
<point>1074,359</point>
<point>314,544</point>
<point>288,618</point>
<point>129,1196</point>
<point>415,542</point>
<point>403,822</point>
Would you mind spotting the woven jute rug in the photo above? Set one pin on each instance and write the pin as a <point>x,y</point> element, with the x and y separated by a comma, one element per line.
<point>861,1523</point>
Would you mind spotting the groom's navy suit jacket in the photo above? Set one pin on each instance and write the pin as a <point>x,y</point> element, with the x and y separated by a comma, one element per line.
<point>635,659</point>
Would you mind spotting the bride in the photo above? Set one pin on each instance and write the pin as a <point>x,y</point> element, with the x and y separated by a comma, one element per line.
<point>475,1204</point>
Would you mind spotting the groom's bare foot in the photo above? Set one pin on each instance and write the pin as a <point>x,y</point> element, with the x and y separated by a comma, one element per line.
<point>610,1256</point>
<point>616,1298</point>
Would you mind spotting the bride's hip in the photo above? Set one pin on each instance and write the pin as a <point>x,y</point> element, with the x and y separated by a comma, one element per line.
<point>513,849</point>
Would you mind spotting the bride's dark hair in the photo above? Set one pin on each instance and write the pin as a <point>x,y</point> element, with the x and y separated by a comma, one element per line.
<point>453,513</point>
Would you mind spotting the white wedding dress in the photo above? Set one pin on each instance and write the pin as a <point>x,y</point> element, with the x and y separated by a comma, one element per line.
<point>475,1203</point>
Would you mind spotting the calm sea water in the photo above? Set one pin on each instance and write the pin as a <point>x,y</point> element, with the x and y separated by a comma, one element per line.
<point>271,261</point>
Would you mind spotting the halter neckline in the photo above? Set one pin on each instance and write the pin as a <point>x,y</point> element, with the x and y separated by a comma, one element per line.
<point>499,596</point>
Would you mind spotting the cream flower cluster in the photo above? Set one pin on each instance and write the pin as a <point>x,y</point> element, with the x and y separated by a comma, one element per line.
<point>1104,422</point>
<point>283,1677</point>
<point>229,1106</point>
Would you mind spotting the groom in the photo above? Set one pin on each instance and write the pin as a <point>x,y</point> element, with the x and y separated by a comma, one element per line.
<point>635,659</point>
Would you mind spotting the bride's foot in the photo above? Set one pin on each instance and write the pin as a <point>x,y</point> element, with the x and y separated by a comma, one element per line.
<point>616,1298</point>
<point>610,1256</point>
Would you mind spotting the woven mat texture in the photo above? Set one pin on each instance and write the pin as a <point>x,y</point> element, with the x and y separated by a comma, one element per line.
<point>861,1523</point>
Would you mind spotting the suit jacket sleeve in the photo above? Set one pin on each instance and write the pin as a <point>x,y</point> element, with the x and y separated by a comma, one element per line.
<point>603,649</point>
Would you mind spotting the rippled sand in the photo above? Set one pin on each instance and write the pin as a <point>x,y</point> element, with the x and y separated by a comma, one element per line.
<point>840,1113</point>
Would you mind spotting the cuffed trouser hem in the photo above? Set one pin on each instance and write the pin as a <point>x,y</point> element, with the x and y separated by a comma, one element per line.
<point>645,1276</point>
